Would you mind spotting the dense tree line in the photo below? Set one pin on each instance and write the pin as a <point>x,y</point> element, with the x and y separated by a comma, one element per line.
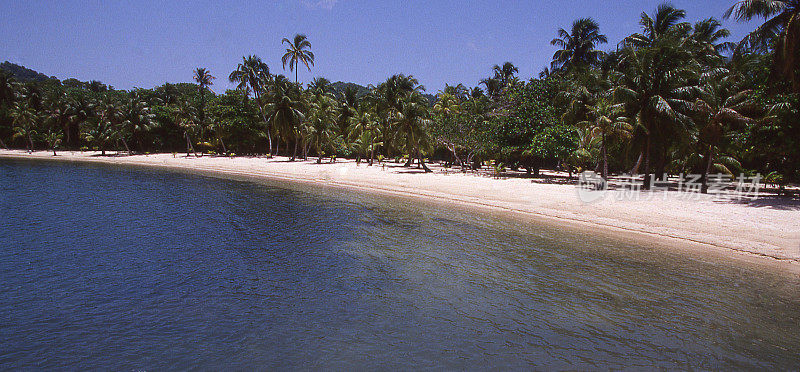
<point>673,98</point>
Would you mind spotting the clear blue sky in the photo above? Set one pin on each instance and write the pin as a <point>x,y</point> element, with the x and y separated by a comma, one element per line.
<point>143,44</point>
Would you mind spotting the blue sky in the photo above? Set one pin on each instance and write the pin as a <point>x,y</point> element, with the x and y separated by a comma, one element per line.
<point>143,44</point>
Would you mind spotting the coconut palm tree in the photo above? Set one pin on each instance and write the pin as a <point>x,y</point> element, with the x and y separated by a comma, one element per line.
<point>607,121</point>
<point>253,75</point>
<point>666,20</point>
<point>654,68</point>
<point>719,105</point>
<point>782,19</point>
<point>364,133</point>
<point>137,119</point>
<point>58,112</point>
<point>348,107</point>
<point>205,80</point>
<point>709,33</point>
<point>320,84</point>
<point>53,139</point>
<point>25,122</point>
<point>187,119</point>
<point>505,72</point>
<point>100,134</point>
<point>321,121</point>
<point>285,110</point>
<point>650,86</point>
<point>410,121</point>
<point>297,52</point>
<point>109,123</point>
<point>578,46</point>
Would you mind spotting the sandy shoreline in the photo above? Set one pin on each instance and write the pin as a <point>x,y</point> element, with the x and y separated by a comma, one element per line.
<point>767,227</point>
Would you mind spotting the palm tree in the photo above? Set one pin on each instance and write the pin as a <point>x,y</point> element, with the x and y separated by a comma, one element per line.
<point>252,75</point>
<point>137,120</point>
<point>650,87</point>
<point>204,79</point>
<point>100,134</point>
<point>782,19</point>
<point>719,103</point>
<point>297,52</point>
<point>364,132</point>
<point>187,119</point>
<point>285,110</point>
<point>109,123</point>
<point>348,107</point>
<point>578,46</point>
<point>607,122</point>
<point>410,121</point>
<point>58,112</point>
<point>25,120</point>
<point>53,139</point>
<point>709,32</point>
<point>666,20</point>
<point>655,67</point>
<point>505,73</point>
<point>320,84</point>
<point>321,121</point>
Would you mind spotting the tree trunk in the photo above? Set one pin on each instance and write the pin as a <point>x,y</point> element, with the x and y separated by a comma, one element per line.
<point>294,153</point>
<point>189,145</point>
<point>126,146</point>
<point>419,158</point>
<point>709,163</point>
<point>646,185</point>
<point>224,149</point>
<point>635,169</point>
<point>264,116</point>
<point>371,151</point>
<point>30,141</point>
<point>605,158</point>
<point>3,144</point>
<point>455,154</point>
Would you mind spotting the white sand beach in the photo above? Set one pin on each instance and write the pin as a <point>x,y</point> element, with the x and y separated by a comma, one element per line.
<point>763,228</point>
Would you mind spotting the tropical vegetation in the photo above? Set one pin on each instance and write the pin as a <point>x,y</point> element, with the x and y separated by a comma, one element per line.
<point>674,98</point>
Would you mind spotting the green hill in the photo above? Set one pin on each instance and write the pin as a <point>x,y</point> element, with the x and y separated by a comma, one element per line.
<point>23,73</point>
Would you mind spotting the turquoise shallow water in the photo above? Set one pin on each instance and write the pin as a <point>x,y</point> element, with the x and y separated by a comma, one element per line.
<point>136,269</point>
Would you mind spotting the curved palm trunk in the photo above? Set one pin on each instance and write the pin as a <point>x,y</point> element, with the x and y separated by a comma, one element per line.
<point>128,149</point>
<point>410,151</point>
<point>635,169</point>
<point>67,133</point>
<point>709,164</point>
<point>646,185</point>
<point>224,149</point>
<point>371,151</point>
<point>189,145</point>
<point>422,163</point>
<point>269,126</point>
<point>605,157</point>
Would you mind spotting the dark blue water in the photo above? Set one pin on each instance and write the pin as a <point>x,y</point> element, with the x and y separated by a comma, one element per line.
<point>136,269</point>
